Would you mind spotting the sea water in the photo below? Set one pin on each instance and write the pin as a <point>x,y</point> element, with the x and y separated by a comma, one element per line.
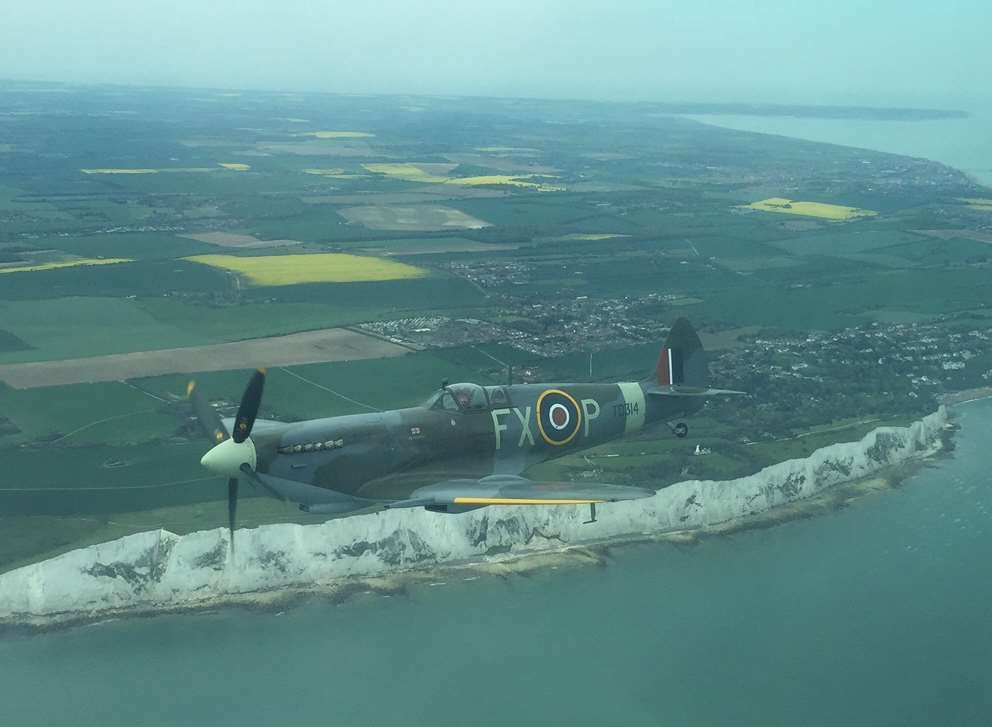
<point>878,614</point>
<point>963,143</point>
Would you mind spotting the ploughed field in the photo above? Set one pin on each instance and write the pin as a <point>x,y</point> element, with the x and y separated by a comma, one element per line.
<point>333,344</point>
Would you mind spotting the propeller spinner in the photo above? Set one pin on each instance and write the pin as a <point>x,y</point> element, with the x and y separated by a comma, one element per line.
<point>234,456</point>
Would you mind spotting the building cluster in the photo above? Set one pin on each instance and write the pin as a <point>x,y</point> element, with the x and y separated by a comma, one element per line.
<point>550,328</point>
<point>435,331</point>
<point>923,355</point>
<point>896,360</point>
<point>561,326</point>
<point>879,370</point>
<point>492,274</point>
<point>792,381</point>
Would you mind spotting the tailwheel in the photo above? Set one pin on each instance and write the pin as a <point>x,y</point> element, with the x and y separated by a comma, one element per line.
<point>680,429</point>
<point>592,514</point>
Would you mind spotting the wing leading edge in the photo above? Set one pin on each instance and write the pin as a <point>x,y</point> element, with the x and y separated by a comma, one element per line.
<point>514,490</point>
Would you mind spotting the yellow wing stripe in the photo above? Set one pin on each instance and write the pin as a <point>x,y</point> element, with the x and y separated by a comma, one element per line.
<point>520,501</point>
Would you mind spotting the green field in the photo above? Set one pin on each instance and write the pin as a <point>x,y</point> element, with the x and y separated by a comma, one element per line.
<point>113,413</point>
<point>847,300</point>
<point>420,245</point>
<point>844,242</point>
<point>75,327</point>
<point>92,326</point>
<point>379,383</point>
<point>140,246</point>
<point>144,278</point>
<point>10,342</point>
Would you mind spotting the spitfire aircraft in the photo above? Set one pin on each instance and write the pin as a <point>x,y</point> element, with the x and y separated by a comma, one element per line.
<point>466,447</point>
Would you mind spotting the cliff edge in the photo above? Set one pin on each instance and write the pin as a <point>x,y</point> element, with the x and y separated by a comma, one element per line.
<point>160,571</point>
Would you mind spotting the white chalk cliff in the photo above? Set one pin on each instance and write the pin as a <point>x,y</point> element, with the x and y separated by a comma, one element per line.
<point>161,571</point>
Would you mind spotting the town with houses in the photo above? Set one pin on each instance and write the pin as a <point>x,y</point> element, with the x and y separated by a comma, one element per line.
<point>792,381</point>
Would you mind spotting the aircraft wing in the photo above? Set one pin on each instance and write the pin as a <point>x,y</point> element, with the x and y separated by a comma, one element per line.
<point>514,490</point>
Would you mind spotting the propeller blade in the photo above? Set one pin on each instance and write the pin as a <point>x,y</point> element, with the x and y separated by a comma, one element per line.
<point>206,415</point>
<point>248,410</point>
<point>232,506</point>
<point>255,481</point>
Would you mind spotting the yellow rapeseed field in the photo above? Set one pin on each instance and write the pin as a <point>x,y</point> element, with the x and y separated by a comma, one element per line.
<point>810,209</point>
<point>311,268</point>
<point>340,134</point>
<point>982,204</point>
<point>119,171</point>
<point>509,180</point>
<point>506,149</point>
<point>493,179</point>
<point>592,236</point>
<point>145,170</point>
<point>233,166</point>
<point>414,173</point>
<point>66,264</point>
<point>408,172</point>
<point>332,173</point>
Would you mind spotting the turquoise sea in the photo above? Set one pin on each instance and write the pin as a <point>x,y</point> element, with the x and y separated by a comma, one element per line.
<point>964,143</point>
<point>879,614</point>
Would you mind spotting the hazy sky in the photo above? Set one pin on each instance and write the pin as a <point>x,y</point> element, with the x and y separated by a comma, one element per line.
<point>842,51</point>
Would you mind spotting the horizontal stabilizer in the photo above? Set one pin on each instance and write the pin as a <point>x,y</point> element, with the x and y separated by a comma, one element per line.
<point>690,391</point>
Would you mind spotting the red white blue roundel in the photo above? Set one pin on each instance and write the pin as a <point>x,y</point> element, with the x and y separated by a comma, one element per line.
<point>558,417</point>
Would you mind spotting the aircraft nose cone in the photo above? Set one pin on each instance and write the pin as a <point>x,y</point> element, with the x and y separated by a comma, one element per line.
<point>228,457</point>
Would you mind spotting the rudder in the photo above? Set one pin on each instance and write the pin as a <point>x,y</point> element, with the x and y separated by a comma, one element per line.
<point>682,360</point>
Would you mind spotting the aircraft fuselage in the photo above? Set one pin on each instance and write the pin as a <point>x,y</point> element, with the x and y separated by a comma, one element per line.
<point>466,431</point>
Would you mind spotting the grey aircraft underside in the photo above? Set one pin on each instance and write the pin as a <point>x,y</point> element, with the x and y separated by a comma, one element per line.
<point>465,448</point>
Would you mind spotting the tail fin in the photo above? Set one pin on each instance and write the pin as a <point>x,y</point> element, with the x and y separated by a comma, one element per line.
<point>682,367</point>
<point>682,360</point>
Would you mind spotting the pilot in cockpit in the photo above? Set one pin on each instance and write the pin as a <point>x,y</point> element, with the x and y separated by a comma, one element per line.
<point>460,397</point>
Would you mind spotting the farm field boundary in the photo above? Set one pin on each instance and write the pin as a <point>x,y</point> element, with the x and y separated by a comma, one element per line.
<point>332,344</point>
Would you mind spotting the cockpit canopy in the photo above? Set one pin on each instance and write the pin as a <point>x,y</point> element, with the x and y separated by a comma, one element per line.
<point>459,397</point>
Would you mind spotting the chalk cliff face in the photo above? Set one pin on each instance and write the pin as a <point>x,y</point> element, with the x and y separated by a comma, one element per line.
<point>159,571</point>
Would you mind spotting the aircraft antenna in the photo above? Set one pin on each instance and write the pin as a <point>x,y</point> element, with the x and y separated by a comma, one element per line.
<point>509,367</point>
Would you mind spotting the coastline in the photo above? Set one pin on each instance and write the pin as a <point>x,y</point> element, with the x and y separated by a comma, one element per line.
<point>593,553</point>
<point>966,396</point>
<point>958,143</point>
<point>160,573</point>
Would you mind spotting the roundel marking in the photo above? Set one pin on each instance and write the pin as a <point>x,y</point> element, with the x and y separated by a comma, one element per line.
<point>559,417</point>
